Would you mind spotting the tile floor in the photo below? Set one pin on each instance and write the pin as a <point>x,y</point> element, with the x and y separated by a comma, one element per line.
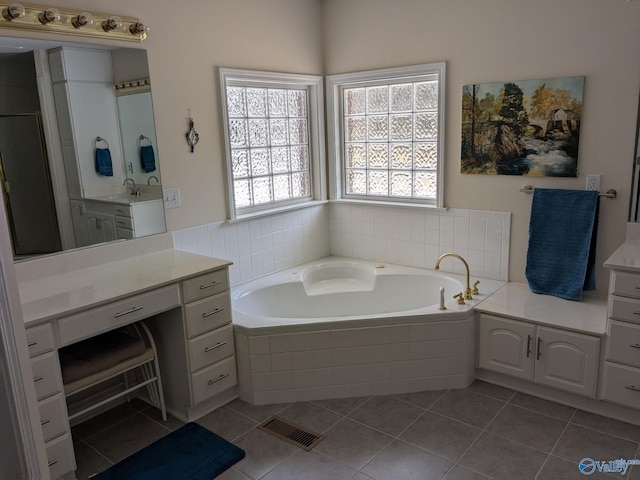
<point>484,431</point>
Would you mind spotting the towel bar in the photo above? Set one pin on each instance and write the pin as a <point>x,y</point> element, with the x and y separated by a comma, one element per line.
<point>611,193</point>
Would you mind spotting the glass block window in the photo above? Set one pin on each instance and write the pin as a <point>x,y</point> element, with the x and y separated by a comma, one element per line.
<point>387,128</point>
<point>270,120</point>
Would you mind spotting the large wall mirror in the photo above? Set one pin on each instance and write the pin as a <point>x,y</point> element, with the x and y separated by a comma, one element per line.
<point>79,163</point>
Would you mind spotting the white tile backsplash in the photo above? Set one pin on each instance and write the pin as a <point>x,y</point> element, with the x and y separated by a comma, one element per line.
<point>402,235</point>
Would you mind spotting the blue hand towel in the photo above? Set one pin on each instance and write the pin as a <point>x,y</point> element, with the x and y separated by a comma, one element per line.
<point>562,242</point>
<point>103,162</point>
<point>147,158</point>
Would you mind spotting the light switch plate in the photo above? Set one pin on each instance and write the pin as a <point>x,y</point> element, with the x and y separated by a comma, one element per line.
<point>171,197</point>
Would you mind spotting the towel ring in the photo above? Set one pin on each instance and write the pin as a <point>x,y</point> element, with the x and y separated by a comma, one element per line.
<point>142,139</point>
<point>99,140</point>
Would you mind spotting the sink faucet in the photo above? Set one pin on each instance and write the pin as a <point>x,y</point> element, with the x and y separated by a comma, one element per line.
<point>467,293</point>
<point>154,177</point>
<point>133,185</point>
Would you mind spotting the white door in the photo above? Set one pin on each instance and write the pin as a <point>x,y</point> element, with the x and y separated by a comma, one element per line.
<point>567,360</point>
<point>506,346</point>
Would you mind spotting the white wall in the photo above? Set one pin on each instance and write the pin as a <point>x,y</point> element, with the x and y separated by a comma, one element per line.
<point>503,40</point>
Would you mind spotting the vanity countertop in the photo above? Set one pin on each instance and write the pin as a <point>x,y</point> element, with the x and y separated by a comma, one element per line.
<point>125,199</point>
<point>515,300</point>
<point>68,292</point>
<point>626,257</point>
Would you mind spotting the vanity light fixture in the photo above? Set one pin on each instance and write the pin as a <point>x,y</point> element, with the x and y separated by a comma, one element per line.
<point>71,22</point>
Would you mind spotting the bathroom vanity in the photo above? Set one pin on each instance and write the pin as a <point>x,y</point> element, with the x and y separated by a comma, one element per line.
<point>183,298</point>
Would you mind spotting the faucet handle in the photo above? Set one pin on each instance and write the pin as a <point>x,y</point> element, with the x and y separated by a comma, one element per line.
<point>459,298</point>
<point>474,290</point>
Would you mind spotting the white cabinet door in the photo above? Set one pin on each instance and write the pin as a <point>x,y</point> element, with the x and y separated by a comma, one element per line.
<point>80,226</point>
<point>506,346</point>
<point>567,360</point>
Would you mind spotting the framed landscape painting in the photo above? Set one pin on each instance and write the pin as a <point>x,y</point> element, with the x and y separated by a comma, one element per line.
<point>529,127</point>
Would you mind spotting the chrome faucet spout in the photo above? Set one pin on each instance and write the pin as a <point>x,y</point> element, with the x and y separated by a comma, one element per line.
<point>154,177</point>
<point>467,294</point>
<point>133,185</point>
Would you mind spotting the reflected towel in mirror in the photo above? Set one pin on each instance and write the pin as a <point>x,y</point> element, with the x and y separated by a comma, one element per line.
<point>147,158</point>
<point>103,162</point>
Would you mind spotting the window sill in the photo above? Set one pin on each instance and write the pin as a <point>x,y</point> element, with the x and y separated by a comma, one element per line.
<point>380,203</point>
<point>273,211</point>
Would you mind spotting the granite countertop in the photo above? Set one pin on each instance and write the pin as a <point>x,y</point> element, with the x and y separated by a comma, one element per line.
<point>515,300</point>
<point>64,293</point>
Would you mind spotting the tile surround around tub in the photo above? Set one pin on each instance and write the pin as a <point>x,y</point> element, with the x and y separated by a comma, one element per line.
<point>401,235</point>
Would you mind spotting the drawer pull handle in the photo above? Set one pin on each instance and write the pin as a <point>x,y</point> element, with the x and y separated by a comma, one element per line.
<point>528,345</point>
<point>212,284</point>
<point>38,379</point>
<point>32,344</point>
<point>127,312</point>
<point>52,463</point>
<point>636,313</point>
<point>208,314</point>
<point>44,422</point>
<point>632,388</point>
<point>217,345</point>
<point>221,377</point>
<point>635,345</point>
<point>539,348</point>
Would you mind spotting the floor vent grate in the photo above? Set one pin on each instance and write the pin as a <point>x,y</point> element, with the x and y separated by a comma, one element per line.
<point>290,432</point>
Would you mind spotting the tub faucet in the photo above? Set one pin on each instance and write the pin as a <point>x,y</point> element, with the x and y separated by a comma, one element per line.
<point>467,293</point>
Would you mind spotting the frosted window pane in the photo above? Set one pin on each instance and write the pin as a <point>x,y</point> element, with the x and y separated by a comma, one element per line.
<point>298,131</point>
<point>277,103</point>
<point>378,128</point>
<point>425,184</point>
<point>240,163</point>
<point>401,127</point>
<point>356,156</point>
<point>378,155</point>
<point>401,156</point>
<point>262,190</point>
<point>378,99</point>
<point>256,102</point>
<point>297,103</point>
<point>258,135</point>
<point>426,155</point>
<point>300,185</point>
<point>378,182</point>
<point>426,126</point>
<point>242,193</point>
<point>402,97</point>
<point>260,162</point>
<point>281,187</point>
<point>278,130</point>
<point>238,133</point>
<point>354,101</point>
<point>235,102</point>
<point>280,159</point>
<point>426,95</point>
<point>401,184</point>
<point>299,158</point>
<point>356,129</point>
<point>357,182</point>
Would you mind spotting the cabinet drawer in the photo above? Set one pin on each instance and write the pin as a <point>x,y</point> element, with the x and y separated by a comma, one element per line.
<point>124,233</point>
<point>46,375</point>
<point>207,314</point>
<point>53,414</point>
<point>124,222</point>
<point>97,320</point>
<point>626,309</point>
<point>40,339</point>
<point>625,284</point>
<point>214,379</point>
<point>621,384</point>
<point>60,456</point>
<point>122,211</point>
<point>624,343</point>
<point>205,285</point>
<point>210,348</point>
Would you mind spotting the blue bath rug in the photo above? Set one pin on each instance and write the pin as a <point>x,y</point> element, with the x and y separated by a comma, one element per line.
<point>191,453</point>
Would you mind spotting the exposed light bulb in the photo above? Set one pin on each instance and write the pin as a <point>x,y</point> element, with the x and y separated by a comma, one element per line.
<point>13,11</point>
<point>138,28</point>
<point>82,20</point>
<point>112,23</point>
<point>48,16</point>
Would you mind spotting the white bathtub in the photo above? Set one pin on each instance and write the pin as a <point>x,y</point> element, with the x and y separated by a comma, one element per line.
<point>340,327</point>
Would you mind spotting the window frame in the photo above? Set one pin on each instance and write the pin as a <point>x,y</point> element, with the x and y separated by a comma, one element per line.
<point>314,85</point>
<point>335,85</point>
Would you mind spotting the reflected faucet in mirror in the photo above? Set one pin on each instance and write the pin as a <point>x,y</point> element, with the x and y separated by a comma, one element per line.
<point>154,177</point>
